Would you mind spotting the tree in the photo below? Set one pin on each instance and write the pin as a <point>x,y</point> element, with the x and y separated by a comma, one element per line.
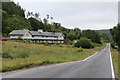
<point>47,16</point>
<point>45,21</point>
<point>13,9</point>
<point>28,14</point>
<point>15,23</point>
<point>37,15</point>
<point>77,32</point>
<point>71,36</point>
<point>51,19</point>
<point>36,24</point>
<point>93,35</point>
<point>105,37</point>
<point>115,32</point>
<point>84,43</point>
<point>118,36</point>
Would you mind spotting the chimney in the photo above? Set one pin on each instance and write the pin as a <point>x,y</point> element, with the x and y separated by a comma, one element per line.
<point>40,30</point>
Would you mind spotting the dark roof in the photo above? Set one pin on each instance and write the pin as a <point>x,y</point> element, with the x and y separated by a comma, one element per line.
<point>21,32</point>
<point>18,32</point>
<point>45,33</point>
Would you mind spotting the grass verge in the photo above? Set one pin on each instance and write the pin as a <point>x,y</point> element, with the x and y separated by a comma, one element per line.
<point>18,55</point>
<point>115,60</point>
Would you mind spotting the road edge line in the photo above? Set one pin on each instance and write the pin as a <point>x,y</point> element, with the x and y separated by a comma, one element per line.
<point>112,69</point>
<point>89,57</point>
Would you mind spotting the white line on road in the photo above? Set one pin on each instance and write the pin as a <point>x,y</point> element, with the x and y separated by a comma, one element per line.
<point>112,69</point>
<point>89,57</point>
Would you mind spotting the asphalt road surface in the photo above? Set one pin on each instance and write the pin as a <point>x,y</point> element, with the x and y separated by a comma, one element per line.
<point>98,65</point>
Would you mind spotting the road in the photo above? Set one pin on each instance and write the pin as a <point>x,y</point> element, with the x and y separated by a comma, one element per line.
<point>98,65</point>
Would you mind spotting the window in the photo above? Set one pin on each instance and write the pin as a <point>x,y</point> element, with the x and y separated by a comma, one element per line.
<point>27,35</point>
<point>55,36</point>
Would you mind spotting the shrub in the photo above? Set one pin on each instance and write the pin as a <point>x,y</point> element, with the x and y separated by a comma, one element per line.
<point>60,45</point>
<point>84,43</point>
<point>57,61</point>
<point>15,46</point>
<point>113,45</point>
<point>80,50</point>
<point>6,55</point>
<point>46,44</point>
<point>57,43</point>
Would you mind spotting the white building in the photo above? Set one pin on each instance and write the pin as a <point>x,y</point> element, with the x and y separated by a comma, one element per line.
<point>39,36</point>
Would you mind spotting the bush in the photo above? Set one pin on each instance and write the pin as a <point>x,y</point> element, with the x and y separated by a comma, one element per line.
<point>80,50</point>
<point>6,55</point>
<point>84,43</point>
<point>113,45</point>
<point>46,44</point>
<point>57,43</point>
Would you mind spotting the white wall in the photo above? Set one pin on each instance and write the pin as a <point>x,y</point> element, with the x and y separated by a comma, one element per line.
<point>14,37</point>
<point>29,36</point>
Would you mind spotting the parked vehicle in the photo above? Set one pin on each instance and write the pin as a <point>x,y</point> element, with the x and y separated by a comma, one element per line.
<point>3,39</point>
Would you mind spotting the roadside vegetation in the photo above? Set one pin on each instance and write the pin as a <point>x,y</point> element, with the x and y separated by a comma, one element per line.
<point>115,58</point>
<point>19,55</point>
<point>115,47</point>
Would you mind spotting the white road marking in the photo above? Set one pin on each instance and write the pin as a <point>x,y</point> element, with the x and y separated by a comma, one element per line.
<point>89,57</point>
<point>112,69</point>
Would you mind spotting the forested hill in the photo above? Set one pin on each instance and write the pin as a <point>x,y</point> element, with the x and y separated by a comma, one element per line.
<point>105,34</point>
<point>13,17</point>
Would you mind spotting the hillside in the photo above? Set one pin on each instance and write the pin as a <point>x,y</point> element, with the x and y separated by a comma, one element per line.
<point>105,32</point>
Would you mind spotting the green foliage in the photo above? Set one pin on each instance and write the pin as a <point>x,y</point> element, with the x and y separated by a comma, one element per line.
<point>119,37</point>
<point>36,24</point>
<point>113,45</point>
<point>57,43</point>
<point>6,55</point>
<point>93,35</point>
<point>5,15</point>
<point>46,44</point>
<point>15,23</point>
<point>115,32</point>
<point>28,41</point>
<point>77,32</point>
<point>105,35</point>
<point>80,50</point>
<point>71,36</point>
<point>84,43</point>
<point>13,9</point>
<point>56,25</point>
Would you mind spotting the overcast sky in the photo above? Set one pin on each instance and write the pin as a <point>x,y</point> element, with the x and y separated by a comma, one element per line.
<point>85,15</point>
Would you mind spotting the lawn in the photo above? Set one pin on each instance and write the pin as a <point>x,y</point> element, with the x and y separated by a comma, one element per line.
<point>19,55</point>
<point>115,60</point>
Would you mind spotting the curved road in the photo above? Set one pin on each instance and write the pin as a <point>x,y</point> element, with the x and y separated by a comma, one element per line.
<point>98,65</point>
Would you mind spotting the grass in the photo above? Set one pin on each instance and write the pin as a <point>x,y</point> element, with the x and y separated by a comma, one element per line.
<point>25,55</point>
<point>115,60</point>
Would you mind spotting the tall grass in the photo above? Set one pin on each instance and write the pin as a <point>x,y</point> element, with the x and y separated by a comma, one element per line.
<point>26,55</point>
<point>115,57</point>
